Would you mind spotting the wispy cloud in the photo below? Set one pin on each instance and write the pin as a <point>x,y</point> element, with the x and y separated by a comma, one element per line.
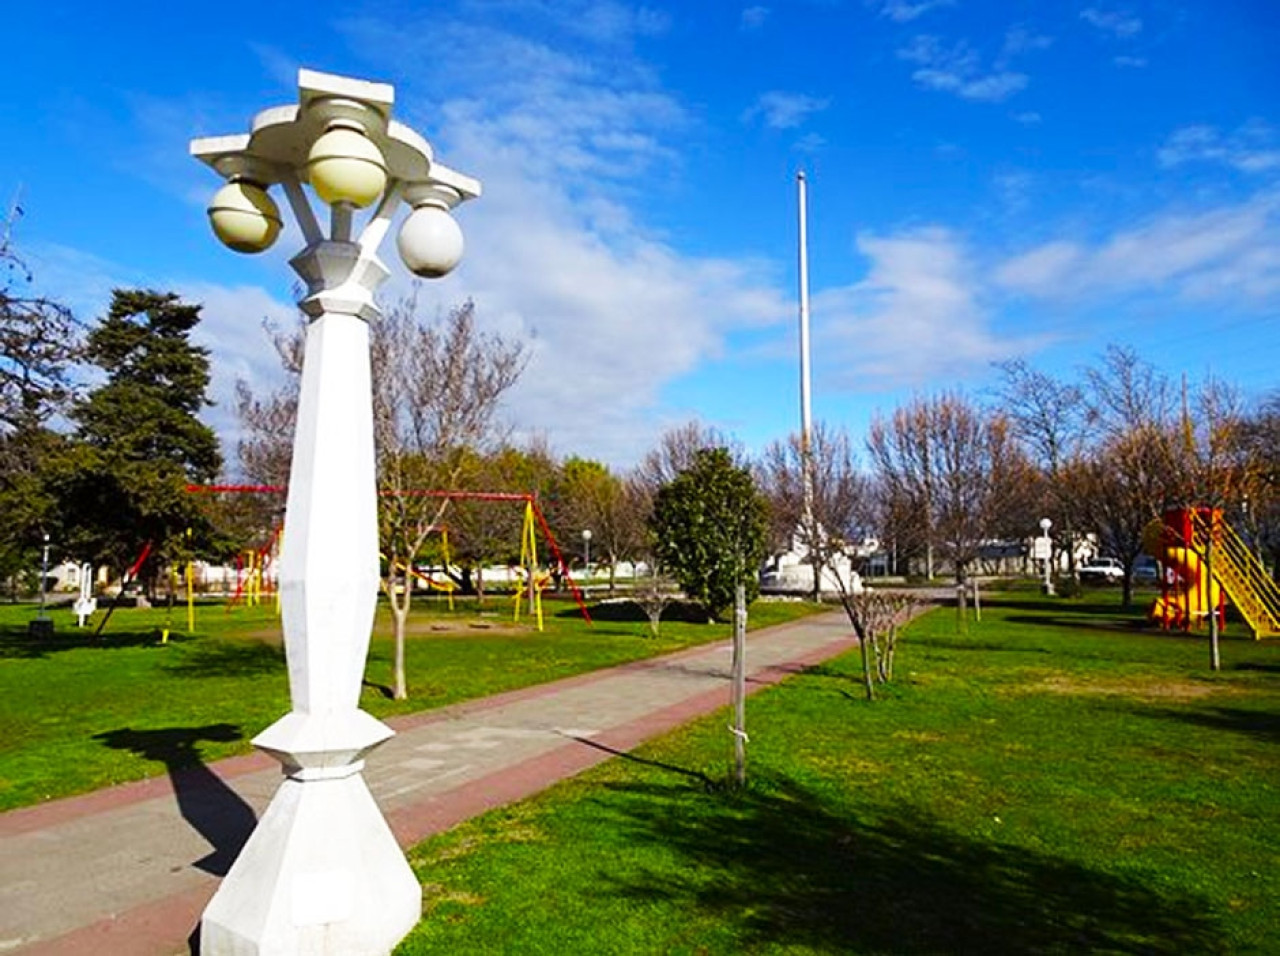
<point>904,11</point>
<point>1130,62</point>
<point>779,110</point>
<point>753,18</point>
<point>958,69</point>
<point>602,21</point>
<point>1231,253</point>
<point>1117,23</point>
<point>1020,39</point>
<point>917,316</point>
<point>565,139</point>
<point>1028,118</point>
<point>1253,148</point>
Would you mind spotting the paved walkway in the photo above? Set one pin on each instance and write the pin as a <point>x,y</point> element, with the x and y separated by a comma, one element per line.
<point>129,869</point>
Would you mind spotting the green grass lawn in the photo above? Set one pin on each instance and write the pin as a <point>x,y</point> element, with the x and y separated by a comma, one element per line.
<point>1056,779</point>
<point>77,714</point>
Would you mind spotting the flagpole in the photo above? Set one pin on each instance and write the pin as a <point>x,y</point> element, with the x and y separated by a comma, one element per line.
<point>806,409</point>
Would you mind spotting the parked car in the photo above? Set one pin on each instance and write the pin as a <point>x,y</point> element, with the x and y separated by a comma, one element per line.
<point>1102,571</point>
<point>1146,571</point>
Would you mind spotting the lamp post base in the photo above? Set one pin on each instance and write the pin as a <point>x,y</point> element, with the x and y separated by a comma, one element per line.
<point>303,885</point>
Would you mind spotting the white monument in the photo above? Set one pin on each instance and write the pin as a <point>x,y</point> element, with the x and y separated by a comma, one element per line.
<point>322,872</point>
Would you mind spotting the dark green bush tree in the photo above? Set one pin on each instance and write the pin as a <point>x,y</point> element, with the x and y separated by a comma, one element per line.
<point>138,440</point>
<point>710,525</point>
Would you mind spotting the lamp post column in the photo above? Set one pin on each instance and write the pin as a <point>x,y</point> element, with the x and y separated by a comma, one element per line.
<point>322,872</point>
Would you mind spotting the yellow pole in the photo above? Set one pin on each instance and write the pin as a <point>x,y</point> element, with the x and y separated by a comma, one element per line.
<point>191,589</point>
<point>444,535</point>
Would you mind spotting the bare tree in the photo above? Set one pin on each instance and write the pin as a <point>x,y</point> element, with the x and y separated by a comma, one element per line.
<point>677,450</point>
<point>40,343</point>
<point>877,618</point>
<point>1047,416</point>
<point>953,473</point>
<point>826,515</point>
<point>901,455</point>
<point>1134,471</point>
<point>266,421</point>
<point>437,387</point>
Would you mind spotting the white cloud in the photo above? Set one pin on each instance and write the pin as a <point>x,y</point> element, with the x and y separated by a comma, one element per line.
<point>1019,40</point>
<point>600,21</point>
<point>1117,23</point>
<point>903,11</point>
<point>565,145</point>
<point>753,18</point>
<point>1130,62</point>
<point>1253,148</point>
<point>779,110</point>
<point>1230,253</point>
<point>1028,118</point>
<point>917,317</point>
<point>231,327</point>
<point>958,69</point>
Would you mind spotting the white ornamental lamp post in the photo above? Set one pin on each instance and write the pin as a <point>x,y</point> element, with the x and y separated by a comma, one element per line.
<point>586,553</point>
<point>1044,545</point>
<point>322,872</point>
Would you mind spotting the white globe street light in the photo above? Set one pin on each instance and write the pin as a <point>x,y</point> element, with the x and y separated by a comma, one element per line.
<point>1045,546</point>
<point>322,872</point>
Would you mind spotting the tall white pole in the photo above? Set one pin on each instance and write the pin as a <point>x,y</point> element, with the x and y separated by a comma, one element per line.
<point>806,409</point>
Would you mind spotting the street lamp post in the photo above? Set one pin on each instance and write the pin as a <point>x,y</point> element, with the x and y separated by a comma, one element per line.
<point>322,872</point>
<point>586,553</point>
<point>44,578</point>
<point>1045,547</point>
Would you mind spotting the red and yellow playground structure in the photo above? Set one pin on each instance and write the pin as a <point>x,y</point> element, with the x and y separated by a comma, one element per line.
<point>1204,564</point>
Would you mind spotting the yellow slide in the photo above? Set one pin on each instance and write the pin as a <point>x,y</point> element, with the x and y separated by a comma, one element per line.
<point>1191,598</point>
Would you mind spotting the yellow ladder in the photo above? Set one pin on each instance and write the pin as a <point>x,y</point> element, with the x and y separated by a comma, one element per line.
<point>1240,573</point>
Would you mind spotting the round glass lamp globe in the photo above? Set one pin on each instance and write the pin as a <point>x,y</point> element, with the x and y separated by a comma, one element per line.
<point>244,217</point>
<point>344,165</point>
<point>430,242</point>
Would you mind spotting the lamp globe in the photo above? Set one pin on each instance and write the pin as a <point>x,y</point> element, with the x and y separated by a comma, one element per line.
<point>430,242</point>
<point>244,217</point>
<point>345,166</point>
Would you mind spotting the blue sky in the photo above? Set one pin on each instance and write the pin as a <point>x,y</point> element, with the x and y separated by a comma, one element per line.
<point>988,179</point>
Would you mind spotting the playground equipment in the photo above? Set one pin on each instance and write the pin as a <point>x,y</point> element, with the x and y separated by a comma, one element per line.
<point>533,583</point>
<point>1205,562</point>
<point>534,520</point>
<point>86,603</point>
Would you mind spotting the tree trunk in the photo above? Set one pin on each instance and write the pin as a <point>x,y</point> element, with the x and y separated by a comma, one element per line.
<point>400,617</point>
<point>740,685</point>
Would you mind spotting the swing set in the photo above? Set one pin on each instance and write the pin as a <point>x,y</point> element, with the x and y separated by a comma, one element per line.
<point>530,581</point>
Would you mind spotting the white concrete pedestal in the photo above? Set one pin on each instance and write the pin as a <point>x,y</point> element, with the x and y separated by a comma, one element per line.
<point>302,885</point>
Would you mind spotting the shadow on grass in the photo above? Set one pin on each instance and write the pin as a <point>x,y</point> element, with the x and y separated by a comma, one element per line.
<point>632,758</point>
<point>15,642</point>
<point>785,868</point>
<point>627,611</point>
<point>1254,666</point>
<point>960,642</point>
<point>212,658</point>
<point>1059,608</point>
<point>1101,623</point>
<point>1251,723</point>
<point>212,808</point>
